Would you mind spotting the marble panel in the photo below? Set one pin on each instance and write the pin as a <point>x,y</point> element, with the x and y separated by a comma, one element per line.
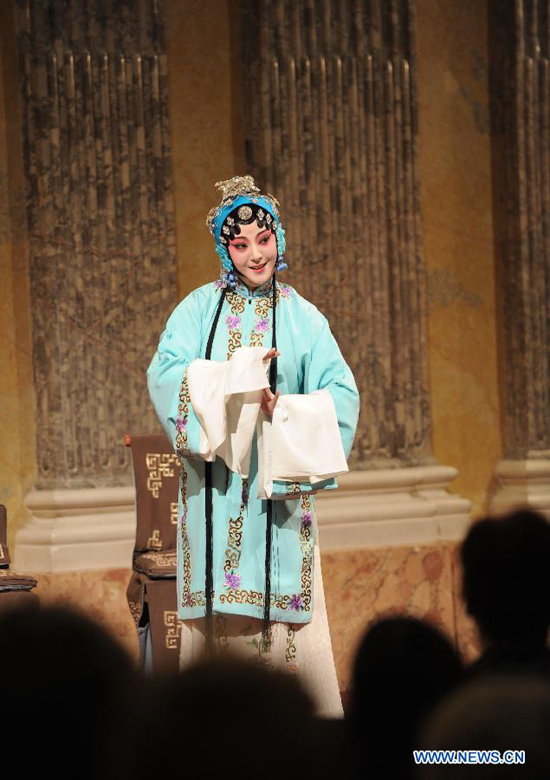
<point>101,594</point>
<point>361,585</point>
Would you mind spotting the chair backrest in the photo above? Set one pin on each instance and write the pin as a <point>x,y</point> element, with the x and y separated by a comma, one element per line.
<point>156,476</point>
<point>4,552</point>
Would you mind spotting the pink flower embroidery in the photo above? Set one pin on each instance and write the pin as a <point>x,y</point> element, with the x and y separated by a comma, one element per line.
<point>187,600</point>
<point>232,321</point>
<point>284,291</point>
<point>262,325</point>
<point>306,519</point>
<point>296,602</point>
<point>232,580</point>
<point>181,424</point>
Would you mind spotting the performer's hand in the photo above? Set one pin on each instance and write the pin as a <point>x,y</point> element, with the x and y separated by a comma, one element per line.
<point>269,401</point>
<point>273,353</point>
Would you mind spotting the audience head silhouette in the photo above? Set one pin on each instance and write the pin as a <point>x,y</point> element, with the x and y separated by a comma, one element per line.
<point>403,668</point>
<point>230,710</point>
<point>65,683</point>
<point>506,564</point>
<point>492,714</point>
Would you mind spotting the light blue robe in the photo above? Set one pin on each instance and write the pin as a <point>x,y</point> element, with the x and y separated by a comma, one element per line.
<point>310,360</point>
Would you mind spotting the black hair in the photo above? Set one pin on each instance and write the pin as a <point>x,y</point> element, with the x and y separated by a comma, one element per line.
<point>231,229</point>
<point>403,668</point>
<point>506,576</point>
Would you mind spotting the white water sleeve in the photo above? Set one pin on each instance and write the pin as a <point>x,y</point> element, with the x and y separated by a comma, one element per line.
<point>301,442</point>
<point>226,398</point>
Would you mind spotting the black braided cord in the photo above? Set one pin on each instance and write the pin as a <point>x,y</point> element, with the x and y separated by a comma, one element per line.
<point>269,518</point>
<point>208,578</point>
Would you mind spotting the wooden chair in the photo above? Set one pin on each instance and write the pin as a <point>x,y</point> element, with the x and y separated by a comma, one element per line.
<point>152,593</point>
<point>14,587</point>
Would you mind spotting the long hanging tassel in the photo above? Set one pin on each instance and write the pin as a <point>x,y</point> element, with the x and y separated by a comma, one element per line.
<point>208,573</point>
<point>269,518</point>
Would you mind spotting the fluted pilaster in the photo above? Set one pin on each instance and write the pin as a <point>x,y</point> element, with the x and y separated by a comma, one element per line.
<point>331,131</point>
<point>100,219</point>
<point>520,95</point>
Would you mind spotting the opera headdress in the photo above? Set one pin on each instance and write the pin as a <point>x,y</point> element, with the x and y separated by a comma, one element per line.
<point>242,202</point>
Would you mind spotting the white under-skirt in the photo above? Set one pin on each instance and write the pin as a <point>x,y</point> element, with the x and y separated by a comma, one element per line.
<point>303,649</point>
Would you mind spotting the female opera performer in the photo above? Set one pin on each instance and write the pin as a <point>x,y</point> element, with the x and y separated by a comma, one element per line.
<point>252,390</point>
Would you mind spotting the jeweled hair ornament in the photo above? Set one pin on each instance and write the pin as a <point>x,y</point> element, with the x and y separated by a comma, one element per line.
<point>239,192</point>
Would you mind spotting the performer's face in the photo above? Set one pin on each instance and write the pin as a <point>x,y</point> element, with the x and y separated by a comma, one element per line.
<point>254,252</point>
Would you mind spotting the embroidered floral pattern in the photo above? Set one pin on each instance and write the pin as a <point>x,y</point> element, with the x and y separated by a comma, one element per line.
<point>185,547</point>
<point>232,322</point>
<point>262,326</point>
<point>306,547</point>
<point>183,452</point>
<point>262,646</point>
<point>236,303</point>
<point>284,290</point>
<point>256,598</point>
<point>221,633</point>
<point>232,580</point>
<point>235,535</point>
<point>296,602</point>
<point>261,310</point>
<point>181,420</point>
<point>306,518</point>
<point>290,653</point>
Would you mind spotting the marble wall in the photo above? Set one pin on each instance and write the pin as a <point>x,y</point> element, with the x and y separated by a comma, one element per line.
<point>454,172</point>
<point>423,581</point>
<point>456,206</point>
<point>203,60</point>
<point>100,594</point>
<point>360,585</point>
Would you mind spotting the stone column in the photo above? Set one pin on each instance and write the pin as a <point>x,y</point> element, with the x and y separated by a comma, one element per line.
<point>520,98</point>
<point>102,264</point>
<point>331,131</point>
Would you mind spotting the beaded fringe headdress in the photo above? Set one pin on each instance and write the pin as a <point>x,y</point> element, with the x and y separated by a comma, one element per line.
<point>239,191</point>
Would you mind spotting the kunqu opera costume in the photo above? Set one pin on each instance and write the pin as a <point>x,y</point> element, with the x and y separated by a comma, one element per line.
<point>247,553</point>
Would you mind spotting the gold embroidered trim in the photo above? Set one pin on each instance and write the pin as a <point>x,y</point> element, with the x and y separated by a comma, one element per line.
<point>135,609</point>
<point>307,555</point>
<point>173,626</point>
<point>290,653</point>
<point>256,598</point>
<point>183,418</point>
<point>183,452</point>
<point>163,561</point>
<point>235,535</point>
<point>237,305</point>
<point>159,466</point>
<point>221,633</point>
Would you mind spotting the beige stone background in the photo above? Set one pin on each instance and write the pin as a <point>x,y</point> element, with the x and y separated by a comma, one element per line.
<point>205,94</point>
